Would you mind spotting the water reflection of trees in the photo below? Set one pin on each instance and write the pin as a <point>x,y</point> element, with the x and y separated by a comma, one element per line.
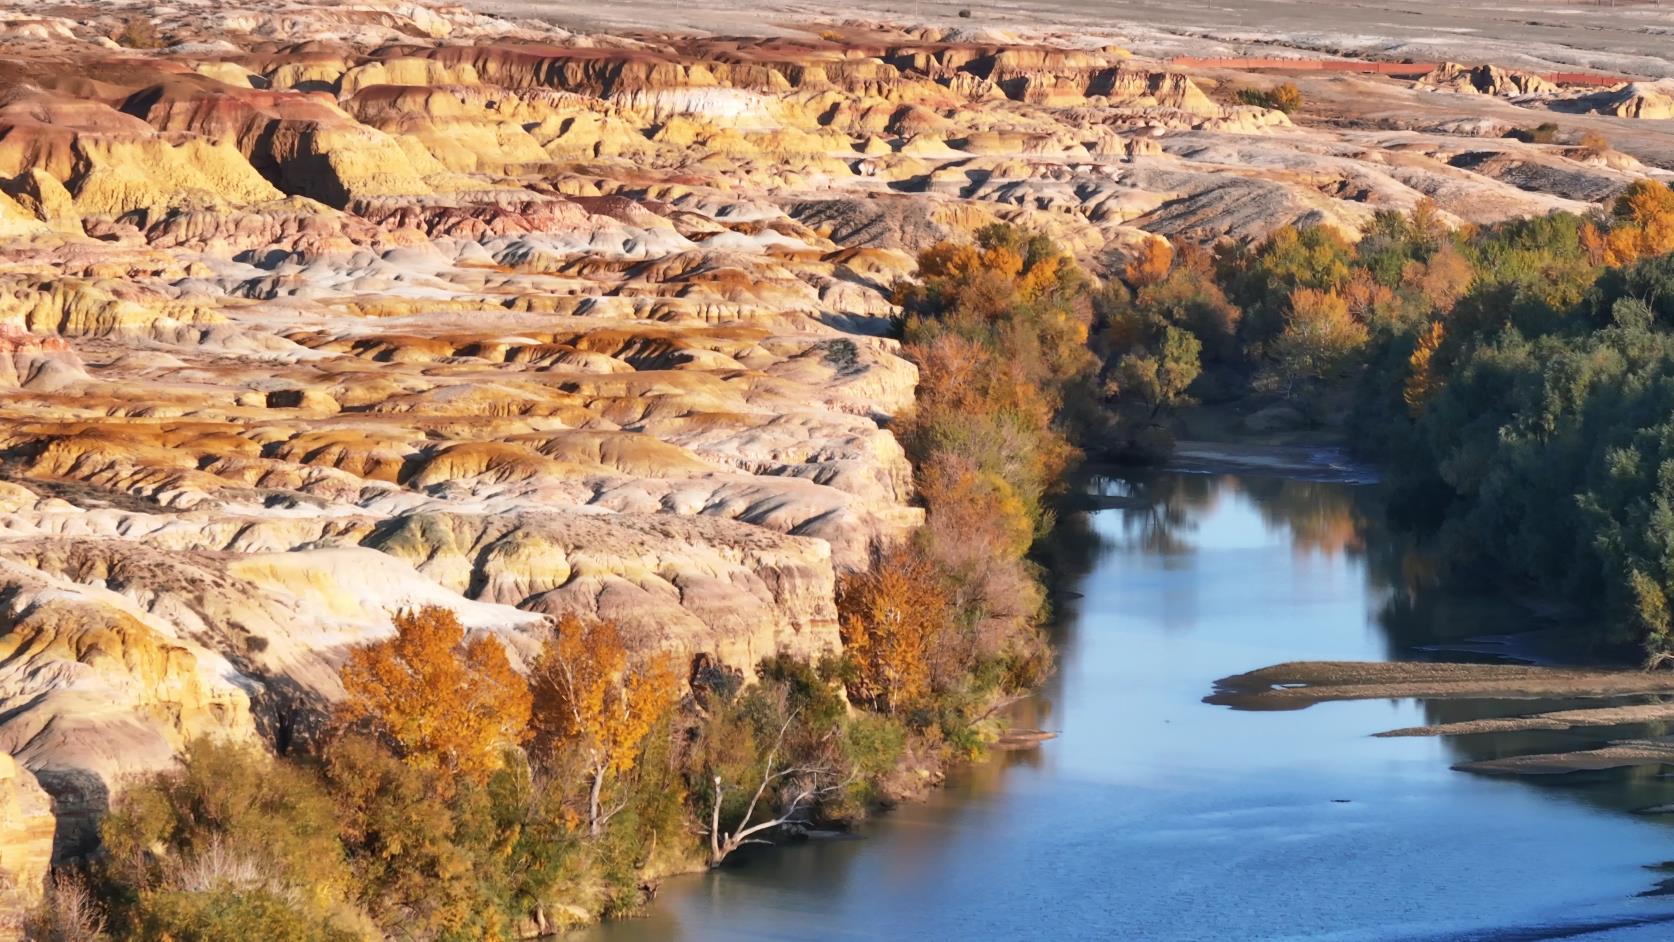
<point>1161,510</point>
<point>1423,609</point>
<point>1421,605</point>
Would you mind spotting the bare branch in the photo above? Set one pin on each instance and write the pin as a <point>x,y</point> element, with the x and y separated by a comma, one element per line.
<point>722,844</point>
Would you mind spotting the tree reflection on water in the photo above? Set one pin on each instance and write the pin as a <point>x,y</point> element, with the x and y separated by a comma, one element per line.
<point>1424,610</point>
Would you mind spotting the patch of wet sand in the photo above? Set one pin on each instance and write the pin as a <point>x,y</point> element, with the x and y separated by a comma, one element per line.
<point>1300,684</point>
<point>1616,755</point>
<point>1306,462</point>
<point>1554,720</point>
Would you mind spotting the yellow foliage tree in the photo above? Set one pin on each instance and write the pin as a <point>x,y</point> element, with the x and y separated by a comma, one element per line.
<point>1318,337</point>
<point>893,618</point>
<point>1421,380</point>
<point>977,281</point>
<point>1041,278</point>
<point>593,698</point>
<point>442,702</point>
<point>1643,225</point>
<point>958,261</point>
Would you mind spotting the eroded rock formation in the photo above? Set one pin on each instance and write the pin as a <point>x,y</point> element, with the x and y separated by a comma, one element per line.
<point>316,311</point>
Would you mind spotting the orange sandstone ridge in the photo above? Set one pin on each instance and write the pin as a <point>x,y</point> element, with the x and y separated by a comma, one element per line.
<point>315,311</point>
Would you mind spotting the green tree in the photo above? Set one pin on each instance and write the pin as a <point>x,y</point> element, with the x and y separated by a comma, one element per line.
<point>1158,380</point>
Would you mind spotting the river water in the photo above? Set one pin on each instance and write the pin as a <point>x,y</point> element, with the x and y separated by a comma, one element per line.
<point>1155,816</point>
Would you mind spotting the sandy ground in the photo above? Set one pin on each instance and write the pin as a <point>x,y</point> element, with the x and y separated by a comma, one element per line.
<point>1324,462</point>
<point>1372,101</point>
<point>1627,752</point>
<point>1556,719</point>
<point>1300,684</point>
<point>1632,39</point>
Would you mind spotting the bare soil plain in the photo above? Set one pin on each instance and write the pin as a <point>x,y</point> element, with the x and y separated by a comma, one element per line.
<point>1542,35</point>
<point>311,311</point>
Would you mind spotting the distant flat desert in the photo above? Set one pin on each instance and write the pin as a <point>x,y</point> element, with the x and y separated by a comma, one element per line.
<point>1630,39</point>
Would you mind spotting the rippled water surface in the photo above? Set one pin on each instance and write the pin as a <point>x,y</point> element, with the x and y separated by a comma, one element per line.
<point>1157,817</point>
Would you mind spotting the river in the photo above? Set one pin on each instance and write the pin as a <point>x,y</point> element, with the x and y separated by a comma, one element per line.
<point>1154,816</point>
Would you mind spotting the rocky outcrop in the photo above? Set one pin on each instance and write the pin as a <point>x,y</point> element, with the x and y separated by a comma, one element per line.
<point>26,831</point>
<point>1643,100</point>
<point>1486,80</point>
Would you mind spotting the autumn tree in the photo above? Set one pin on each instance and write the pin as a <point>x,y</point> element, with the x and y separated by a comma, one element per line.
<point>967,279</point>
<point>1149,264</point>
<point>985,407</point>
<point>440,701</point>
<point>893,617</point>
<point>1186,297</point>
<point>1261,280</point>
<point>1318,337</point>
<point>1641,225</point>
<point>978,532</point>
<point>1441,280</point>
<point>595,700</point>
<point>989,278</point>
<point>1421,377</point>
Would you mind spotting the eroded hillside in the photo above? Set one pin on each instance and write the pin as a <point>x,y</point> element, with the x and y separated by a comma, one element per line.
<point>310,312</point>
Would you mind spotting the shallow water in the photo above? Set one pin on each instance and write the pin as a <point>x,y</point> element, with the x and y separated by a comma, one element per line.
<point>1157,817</point>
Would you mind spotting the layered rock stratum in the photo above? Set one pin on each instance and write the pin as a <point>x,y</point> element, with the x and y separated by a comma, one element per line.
<point>310,312</point>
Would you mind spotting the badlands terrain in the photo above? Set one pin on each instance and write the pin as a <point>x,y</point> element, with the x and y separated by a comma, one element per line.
<point>311,311</point>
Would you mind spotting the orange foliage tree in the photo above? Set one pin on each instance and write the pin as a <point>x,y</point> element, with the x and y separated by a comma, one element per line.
<point>1641,225</point>
<point>441,702</point>
<point>893,617</point>
<point>1149,265</point>
<point>594,700</point>
<point>987,280</point>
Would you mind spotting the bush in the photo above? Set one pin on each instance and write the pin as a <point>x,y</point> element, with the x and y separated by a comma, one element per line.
<point>1593,143</point>
<point>228,912</point>
<point>70,912</point>
<point>1285,97</point>
<point>229,813</point>
<point>1543,133</point>
<point>138,32</point>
